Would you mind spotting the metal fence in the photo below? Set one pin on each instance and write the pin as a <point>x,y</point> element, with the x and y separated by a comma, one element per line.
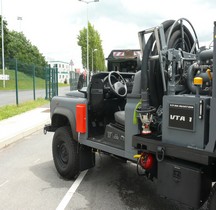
<point>73,80</point>
<point>27,82</point>
<point>51,81</point>
<point>76,79</point>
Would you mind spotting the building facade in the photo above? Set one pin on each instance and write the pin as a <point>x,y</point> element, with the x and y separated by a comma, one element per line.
<point>64,69</point>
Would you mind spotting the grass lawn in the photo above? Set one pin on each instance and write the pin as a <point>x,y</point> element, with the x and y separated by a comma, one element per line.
<point>12,110</point>
<point>25,82</point>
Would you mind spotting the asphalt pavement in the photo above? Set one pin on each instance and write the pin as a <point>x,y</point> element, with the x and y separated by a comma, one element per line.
<point>29,181</point>
<point>8,97</point>
<point>122,191</point>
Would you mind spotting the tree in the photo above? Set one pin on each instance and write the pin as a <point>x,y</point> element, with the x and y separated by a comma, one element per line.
<point>6,37</point>
<point>28,55</point>
<point>17,46</point>
<point>22,49</point>
<point>94,43</point>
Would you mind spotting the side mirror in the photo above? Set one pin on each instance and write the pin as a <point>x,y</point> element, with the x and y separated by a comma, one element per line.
<point>80,82</point>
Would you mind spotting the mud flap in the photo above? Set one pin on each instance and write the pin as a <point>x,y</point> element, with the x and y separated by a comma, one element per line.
<point>86,158</point>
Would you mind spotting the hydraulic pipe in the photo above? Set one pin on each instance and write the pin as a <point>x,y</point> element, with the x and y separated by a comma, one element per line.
<point>144,73</point>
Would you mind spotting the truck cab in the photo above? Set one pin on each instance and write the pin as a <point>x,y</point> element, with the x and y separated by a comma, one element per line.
<point>107,97</point>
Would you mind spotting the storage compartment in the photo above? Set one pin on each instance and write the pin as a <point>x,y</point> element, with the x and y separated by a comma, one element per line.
<point>186,183</point>
<point>185,120</point>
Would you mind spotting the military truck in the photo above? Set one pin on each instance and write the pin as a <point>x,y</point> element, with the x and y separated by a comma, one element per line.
<point>161,117</point>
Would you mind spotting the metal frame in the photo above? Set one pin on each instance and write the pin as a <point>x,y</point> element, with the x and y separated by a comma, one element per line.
<point>162,45</point>
<point>212,131</point>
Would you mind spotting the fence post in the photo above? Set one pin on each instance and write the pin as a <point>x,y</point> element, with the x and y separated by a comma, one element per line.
<point>34,81</point>
<point>51,80</point>
<point>70,80</point>
<point>46,83</point>
<point>56,80</point>
<point>16,82</point>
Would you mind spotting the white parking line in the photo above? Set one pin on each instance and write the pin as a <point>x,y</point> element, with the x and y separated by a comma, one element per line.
<point>1,185</point>
<point>71,191</point>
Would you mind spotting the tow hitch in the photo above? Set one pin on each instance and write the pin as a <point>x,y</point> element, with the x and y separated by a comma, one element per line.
<point>48,128</point>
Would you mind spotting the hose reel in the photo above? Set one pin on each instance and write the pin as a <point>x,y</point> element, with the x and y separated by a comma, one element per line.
<point>176,41</point>
<point>166,56</point>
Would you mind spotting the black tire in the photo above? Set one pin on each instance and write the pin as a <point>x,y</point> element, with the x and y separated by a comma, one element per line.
<point>211,204</point>
<point>65,153</point>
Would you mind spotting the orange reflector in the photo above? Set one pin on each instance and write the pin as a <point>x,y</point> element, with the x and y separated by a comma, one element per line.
<point>81,118</point>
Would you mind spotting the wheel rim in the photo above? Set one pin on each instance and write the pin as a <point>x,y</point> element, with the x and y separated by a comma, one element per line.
<point>63,153</point>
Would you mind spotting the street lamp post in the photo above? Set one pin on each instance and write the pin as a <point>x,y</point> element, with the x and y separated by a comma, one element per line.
<point>2,34</point>
<point>93,59</point>
<point>87,42</point>
<point>19,19</point>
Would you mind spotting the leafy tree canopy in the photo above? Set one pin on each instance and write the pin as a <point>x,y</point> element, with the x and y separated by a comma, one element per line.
<point>17,46</point>
<point>22,49</point>
<point>6,37</point>
<point>95,48</point>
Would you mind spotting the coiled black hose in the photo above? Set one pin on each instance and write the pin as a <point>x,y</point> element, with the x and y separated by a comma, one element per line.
<point>151,72</point>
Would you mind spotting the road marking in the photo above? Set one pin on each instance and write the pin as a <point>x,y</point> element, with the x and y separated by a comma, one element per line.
<point>1,185</point>
<point>37,160</point>
<point>64,202</point>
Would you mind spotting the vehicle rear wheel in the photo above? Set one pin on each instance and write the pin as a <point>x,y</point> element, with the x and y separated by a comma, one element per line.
<point>65,153</point>
<point>211,204</point>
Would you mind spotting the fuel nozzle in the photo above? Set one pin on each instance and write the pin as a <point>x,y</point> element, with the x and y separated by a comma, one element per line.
<point>198,82</point>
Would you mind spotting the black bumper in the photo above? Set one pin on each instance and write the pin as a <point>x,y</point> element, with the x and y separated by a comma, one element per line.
<point>184,153</point>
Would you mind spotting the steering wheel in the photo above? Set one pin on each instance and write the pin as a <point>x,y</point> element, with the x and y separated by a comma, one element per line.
<point>117,84</point>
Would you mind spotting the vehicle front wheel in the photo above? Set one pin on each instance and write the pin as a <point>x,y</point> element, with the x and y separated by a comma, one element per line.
<point>65,153</point>
<point>211,204</point>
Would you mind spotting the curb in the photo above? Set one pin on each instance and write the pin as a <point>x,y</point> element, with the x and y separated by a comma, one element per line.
<point>15,128</point>
<point>6,142</point>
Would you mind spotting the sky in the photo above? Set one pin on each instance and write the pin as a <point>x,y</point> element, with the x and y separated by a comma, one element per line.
<point>53,25</point>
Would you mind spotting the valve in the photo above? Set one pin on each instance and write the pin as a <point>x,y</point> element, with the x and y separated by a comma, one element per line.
<point>208,71</point>
<point>146,120</point>
<point>198,82</point>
